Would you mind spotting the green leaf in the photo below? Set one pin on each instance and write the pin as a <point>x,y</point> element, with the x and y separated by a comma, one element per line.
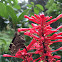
<point>3,41</point>
<point>3,11</point>
<point>32,3</point>
<point>12,13</point>
<point>17,6</point>
<point>15,1</point>
<point>32,13</point>
<point>29,5</point>
<point>40,6</point>
<point>22,15</point>
<point>30,25</point>
<point>36,11</point>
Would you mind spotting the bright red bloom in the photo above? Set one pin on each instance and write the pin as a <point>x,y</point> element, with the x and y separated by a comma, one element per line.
<point>41,41</point>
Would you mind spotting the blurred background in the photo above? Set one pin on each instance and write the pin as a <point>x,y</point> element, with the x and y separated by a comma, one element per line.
<point>12,17</point>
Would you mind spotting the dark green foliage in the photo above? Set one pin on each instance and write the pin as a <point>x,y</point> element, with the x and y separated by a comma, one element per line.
<point>2,24</point>
<point>54,8</point>
<point>14,13</point>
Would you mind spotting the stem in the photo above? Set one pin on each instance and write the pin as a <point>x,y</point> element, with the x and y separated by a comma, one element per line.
<point>46,58</point>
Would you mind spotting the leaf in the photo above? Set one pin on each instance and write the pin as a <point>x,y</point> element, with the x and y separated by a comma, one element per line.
<point>3,11</point>
<point>36,11</point>
<point>32,3</point>
<point>15,1</point>
<point>12,13</point>
<point>32,13</point>
<point>29,5</point>
<point>16,6</point>
<point>40,6</point>
<point>22,15</point>
<point>30,25</point>
<point>3,41</point>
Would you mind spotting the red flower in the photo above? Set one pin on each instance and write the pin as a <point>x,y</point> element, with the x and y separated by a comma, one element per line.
<point>41,41</point>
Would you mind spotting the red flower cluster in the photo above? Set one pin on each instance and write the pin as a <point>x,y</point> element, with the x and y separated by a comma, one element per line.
<point>41,41</point>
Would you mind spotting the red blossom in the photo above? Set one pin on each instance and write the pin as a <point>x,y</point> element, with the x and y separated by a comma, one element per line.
<point>41,41</point>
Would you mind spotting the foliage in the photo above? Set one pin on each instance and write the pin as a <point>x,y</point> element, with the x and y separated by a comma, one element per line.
<point>5,40</point>
<point>54,7</point>
<point>35,8</point>
<point>11,11</point>
<point>12,14</point>
<point>41,41</point>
